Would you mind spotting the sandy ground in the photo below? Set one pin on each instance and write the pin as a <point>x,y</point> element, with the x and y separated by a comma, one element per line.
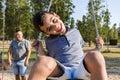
<point>10,76</point>
<point>113,74</point>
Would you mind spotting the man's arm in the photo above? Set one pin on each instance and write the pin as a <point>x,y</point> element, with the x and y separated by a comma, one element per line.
<point>9,56</point>
<point>28,49</point>
<point>27,57</point>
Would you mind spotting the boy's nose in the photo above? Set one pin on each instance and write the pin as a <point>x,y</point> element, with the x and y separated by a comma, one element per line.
<point>54,27</point>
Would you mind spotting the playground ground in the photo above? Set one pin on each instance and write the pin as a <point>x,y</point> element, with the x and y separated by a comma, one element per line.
<point>112,58</point>
<point>113,73</point>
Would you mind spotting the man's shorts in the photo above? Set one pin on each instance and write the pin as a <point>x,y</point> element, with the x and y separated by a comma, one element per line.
<point>19,68</point>
<point>73,73</point>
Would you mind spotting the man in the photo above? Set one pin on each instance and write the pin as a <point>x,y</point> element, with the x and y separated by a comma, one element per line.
<point>20,50</point>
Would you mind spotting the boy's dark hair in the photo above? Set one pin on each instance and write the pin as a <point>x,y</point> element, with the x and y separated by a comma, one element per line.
<point>38,19</point>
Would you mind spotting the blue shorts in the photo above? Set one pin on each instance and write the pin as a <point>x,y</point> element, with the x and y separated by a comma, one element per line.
<point>78,72</point>
<point>19,68</point>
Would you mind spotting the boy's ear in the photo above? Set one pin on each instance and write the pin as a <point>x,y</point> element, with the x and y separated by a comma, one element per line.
<point>56,15</point>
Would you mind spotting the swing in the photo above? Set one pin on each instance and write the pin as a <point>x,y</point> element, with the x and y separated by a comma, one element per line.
<point>97,33</point>
<point>95,23</point>
<point>40,33</point>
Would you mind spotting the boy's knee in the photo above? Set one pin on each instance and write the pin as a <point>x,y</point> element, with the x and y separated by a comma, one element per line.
<point>94,55</point>
<point>45,64</point>
<point>95,64</point>
<point>95,58</point>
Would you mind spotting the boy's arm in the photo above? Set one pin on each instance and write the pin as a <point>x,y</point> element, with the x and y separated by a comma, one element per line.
<point>40,47</point>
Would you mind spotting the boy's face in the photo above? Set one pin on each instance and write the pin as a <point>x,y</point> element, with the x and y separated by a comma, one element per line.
<point>52,25</point>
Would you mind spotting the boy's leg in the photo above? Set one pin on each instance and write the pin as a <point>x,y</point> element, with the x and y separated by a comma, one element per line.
<point>43,68</point>
<point>95,64</point>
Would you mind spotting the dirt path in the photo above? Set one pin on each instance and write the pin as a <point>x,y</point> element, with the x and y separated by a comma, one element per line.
<point>113,73</point>
<point>10,76</point>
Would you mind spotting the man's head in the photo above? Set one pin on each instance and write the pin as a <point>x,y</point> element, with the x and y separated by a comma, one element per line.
<point>49,23</point>
<point>19,35</point>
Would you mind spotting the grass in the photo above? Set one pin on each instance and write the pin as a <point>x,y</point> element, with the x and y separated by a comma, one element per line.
<point>112,58</point>
<point>111,54</point>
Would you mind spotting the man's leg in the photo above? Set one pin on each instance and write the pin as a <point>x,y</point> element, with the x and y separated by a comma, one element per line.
<point>23,77</point>
<point>95,64</point>
<point>16,71</point>
<point>22,70</point>
<point>17,77</point>
<point>44,67</point>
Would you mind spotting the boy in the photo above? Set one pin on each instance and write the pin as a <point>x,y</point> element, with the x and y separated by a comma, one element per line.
<point>65,59</point>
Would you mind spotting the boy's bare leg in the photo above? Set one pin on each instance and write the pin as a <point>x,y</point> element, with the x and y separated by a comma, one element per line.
<point>43,67</point>
<point>95,64</point>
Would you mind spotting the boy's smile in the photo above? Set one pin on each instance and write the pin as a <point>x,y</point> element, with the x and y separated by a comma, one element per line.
<point>52,25</point>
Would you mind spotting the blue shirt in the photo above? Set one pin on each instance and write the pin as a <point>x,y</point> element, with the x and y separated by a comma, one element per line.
<point>67,49</point>
<point>19,49</point>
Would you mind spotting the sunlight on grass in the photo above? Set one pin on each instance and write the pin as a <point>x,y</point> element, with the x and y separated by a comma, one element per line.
<point>111,55</point>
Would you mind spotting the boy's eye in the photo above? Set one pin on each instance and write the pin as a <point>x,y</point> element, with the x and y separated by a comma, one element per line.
<point>49,29</point>
<point>54,20</point>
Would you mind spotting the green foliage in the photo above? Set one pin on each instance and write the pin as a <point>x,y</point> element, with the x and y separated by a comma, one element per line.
<point>87,27</point>
<point>113,32</point>
<point>1,19</point>
<point>72,25</point>
<point>64,8</point>
<point>19,14</point>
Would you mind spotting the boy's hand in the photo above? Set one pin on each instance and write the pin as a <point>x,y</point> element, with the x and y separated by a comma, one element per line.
<point>100,41</point>
<point>35,43</point>
<point>38,46</point>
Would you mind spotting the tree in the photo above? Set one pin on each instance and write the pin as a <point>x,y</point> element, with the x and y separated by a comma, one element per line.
<point>64,8</point>
<point>57,7</point>
<point>1,18</point>
<point>88,21</point>
<point>18,16</point>
<point>87,24</point>
<point>113,32</point>
<point>118,30</point>
<point>106,22</point>
<point>72,25</point>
